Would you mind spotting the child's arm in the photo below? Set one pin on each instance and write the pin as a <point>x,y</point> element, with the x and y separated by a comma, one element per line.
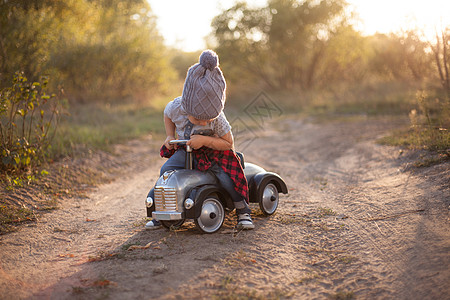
<point>170,131</point>
<point>222,143</point>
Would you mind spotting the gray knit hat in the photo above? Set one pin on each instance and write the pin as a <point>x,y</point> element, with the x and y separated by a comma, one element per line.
<point>204,89</point>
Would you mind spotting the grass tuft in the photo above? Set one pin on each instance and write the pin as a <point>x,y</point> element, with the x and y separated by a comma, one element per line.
<point>10,216</point>
<point>343,296</point>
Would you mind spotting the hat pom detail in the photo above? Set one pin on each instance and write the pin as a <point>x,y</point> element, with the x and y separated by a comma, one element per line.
<point>209,60</point>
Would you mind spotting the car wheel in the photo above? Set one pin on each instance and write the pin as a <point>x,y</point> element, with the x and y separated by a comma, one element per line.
<point>172,224</point>
<point>269,199</point>
<point>211,216</point>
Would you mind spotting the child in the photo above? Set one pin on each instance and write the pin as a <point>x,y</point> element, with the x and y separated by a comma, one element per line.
<point>201,108</point>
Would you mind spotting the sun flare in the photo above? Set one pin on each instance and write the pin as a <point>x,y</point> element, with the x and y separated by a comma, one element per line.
<point>386,16</point>
<point>187,26</point>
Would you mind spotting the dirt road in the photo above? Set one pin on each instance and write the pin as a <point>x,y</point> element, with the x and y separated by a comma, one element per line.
<point>359,222</point>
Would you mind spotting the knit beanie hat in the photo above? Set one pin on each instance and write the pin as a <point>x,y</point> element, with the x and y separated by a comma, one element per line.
<point>204,89</point>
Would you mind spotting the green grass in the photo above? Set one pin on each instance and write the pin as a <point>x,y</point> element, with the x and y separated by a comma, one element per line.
<point>99,126</point>
<point>433,139</point>
<point>425,162</point>
<point>370,98</point>
<point>430,124</point>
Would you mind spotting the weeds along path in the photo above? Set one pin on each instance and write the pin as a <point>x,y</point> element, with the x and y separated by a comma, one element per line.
<point>358,222</point>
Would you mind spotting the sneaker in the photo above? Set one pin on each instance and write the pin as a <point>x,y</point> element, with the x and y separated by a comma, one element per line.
<point>153,224</point>
<point>245,222</point>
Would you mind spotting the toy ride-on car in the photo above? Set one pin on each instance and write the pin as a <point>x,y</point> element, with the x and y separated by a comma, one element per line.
<point>187,193</point>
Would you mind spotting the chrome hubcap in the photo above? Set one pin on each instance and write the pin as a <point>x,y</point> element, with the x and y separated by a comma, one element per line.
<point>212,215</point>
<point>270,199</point>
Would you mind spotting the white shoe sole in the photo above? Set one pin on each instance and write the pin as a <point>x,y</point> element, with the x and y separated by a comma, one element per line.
<point>245,226</point>
<point>153,227</point>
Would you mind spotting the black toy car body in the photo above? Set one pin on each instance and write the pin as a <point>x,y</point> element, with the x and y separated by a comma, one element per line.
<point>191,194</point>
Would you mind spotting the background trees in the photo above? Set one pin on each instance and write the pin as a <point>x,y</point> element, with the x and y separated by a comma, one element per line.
<point>441,51</point>
<point>289,44</point>
<point>97,49</point>
<point>309,45</point>
<point>105,50</point>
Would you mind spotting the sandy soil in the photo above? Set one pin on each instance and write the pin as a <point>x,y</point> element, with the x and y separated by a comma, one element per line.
<point>358,222</point>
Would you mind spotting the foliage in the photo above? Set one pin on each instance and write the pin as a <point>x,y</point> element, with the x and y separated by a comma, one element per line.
<point>292,45</point>
<point>27,114</point>
<point>429,127</point>
<point>285,44</point>
<point>346,58</point>
<point>98,50</point>
<point>441,52</point>
<point>429,124</point>
<point>182,61</point>
<point>401,56</point>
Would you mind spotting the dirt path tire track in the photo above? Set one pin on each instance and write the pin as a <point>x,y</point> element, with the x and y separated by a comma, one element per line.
<point>322,242</point>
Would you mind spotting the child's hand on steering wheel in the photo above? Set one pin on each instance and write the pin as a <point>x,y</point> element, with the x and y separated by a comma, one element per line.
<point>196,141</point>
<point>168,145</point>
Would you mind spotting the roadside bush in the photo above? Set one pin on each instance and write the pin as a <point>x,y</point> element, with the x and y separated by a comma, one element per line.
<point>28,118</point>
<point>429,126</point>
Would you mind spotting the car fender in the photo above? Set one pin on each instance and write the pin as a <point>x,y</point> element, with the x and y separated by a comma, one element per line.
<point>261,180</point>
<point>199,194</point>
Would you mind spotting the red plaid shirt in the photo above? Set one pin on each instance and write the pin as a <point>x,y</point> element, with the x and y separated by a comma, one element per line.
<point>227,160</point>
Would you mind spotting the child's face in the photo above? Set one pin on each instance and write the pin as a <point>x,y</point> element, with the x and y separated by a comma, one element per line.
<point>199,122</point>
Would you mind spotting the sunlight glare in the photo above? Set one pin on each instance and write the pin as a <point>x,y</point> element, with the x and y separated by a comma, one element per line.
<point>185,24</point>
<point>384,16</point>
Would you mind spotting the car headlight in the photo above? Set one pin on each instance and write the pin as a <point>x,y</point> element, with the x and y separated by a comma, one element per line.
<point>149,202</point>
<point>188,203</point>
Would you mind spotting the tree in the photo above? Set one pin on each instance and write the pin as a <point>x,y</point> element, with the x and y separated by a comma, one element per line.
<point>441,52</point>
<point>401,56</point>
<point>282,44</point>
<point>98,49</point>
<point>346,58</point>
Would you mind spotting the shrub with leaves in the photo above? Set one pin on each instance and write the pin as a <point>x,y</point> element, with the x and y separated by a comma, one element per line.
<point>28,119</point>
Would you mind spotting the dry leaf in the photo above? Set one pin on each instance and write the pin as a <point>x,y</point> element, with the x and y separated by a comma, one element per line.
<point>134,247</point>
<point>67,255</point>
<point>103,283</point>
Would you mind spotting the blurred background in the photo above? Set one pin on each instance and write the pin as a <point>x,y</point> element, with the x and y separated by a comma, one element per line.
<point>110,66</point>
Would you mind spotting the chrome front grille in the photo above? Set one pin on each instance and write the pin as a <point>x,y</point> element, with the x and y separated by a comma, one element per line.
<point>165,199</point>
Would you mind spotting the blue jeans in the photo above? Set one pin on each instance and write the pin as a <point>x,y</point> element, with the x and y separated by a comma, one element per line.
<point>177,161</point>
